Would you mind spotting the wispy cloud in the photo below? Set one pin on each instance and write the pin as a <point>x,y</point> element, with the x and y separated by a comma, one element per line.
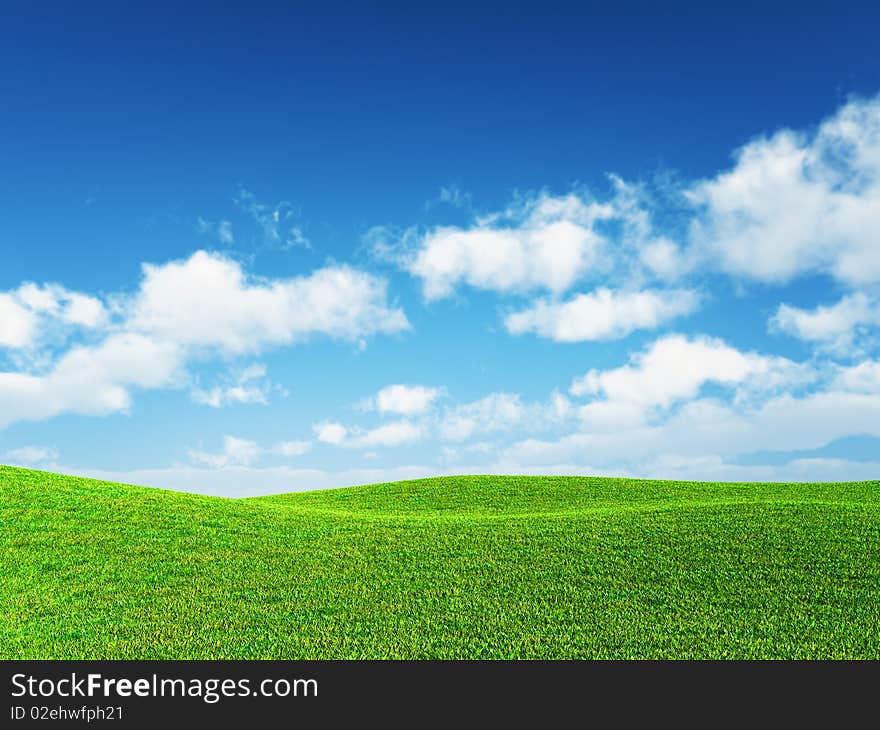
<point>245,386</point>
<point>222,230</point>
<point>244,452</point>
<point>277,222</point>
<point>388,434</point>
<point>31,456</point>
<point>236,452</point>
<point>453,196</point>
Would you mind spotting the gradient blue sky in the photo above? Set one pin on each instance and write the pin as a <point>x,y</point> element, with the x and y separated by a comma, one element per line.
<point>631,239</point>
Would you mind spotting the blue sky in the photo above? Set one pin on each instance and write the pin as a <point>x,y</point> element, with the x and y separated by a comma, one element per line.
<point>269,248</point>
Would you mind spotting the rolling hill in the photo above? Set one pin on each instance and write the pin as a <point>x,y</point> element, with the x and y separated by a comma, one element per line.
<point>460,567</point>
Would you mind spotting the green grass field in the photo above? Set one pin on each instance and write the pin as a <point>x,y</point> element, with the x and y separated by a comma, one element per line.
<point>464,567</point>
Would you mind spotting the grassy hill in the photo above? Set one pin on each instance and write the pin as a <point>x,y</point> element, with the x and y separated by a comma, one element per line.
<point>464,567</point>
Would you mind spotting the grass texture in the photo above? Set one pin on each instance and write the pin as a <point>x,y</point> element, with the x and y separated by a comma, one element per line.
<point>461,567</point>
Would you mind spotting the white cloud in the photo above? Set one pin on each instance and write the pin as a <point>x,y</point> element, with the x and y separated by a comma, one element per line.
<point>792,203</point>
<point>495,412</point>
<point>84,311</point>
<point>601,315</point>
<point>675,368</point>
<point>834,326</point>
<point>708,426</point>
<point>17,323</point>
<point>503,412</point>
<point>251,481</point>
<point>541,242</point>
<point>236,452</point>
<point>454,196</point>
<point>796,203</point>
<point>29,311</point>
<point>66,306</point>
<point>330,432</point>
<point>91,380</point>
<point>293,448</point>
<point>544,243</point>
<point>389,434</point>
<point>208,301</point>
<point>223,230</point>
<point>665,259</point>
<point>31,456</point>
<point>183,311</point>
<point>404,400</point>
<point>861,378</point>
<point>247,386</point>
<point>39,298</point>
<point>396,433</point>
<point>243,452</point>
<point>559,408</point>
<point>275,221</point>
<point>241,481</point>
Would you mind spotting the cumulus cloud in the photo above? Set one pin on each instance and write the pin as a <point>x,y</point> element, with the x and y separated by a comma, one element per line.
<point>403,400</point>
<point>83,310</point>
<point>183,311</point>
<point>707,426</point>
<point>665,259</point>
<point>542,243</point>
<point>835,326</point>
<point>90,380</point>
<point>675,368</point>
<point>861,378</point>
<point>389,434</point>
<point>798,202</point>
<point>604,314</point>
<point>792,203</point>
<point>31,310</point>
<point>208,301</point>
<point>330,432</point>
<point>53,300</point>
<point>758,403</point>
<point>17,323</point>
